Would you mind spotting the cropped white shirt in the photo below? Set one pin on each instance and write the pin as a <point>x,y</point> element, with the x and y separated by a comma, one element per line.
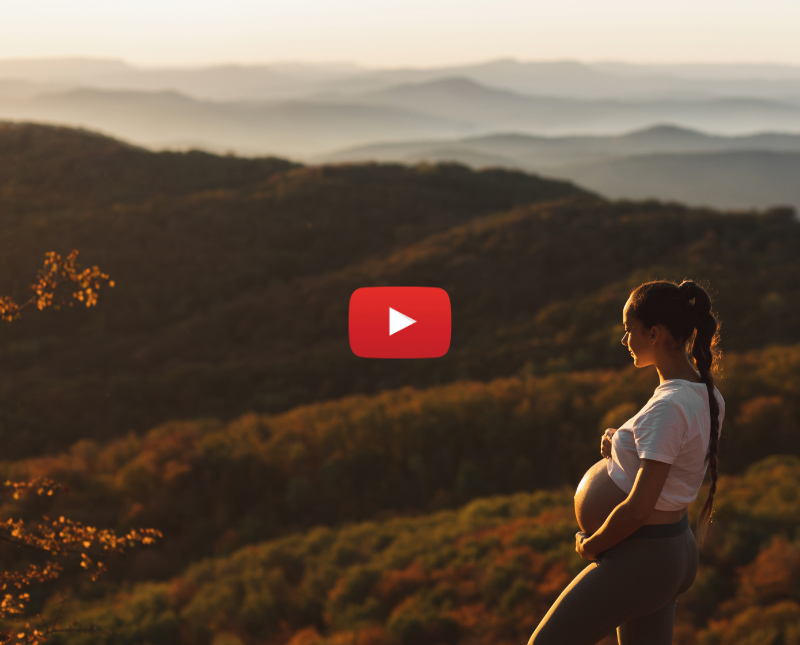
<point>674,426</point>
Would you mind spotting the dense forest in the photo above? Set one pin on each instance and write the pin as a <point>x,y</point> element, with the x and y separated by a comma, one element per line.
<point>214,486</point>
<point>310,496</point>
<point>484,573</point>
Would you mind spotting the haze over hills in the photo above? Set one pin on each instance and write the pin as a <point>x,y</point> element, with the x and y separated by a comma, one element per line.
<point>493,109</point>
<point>172,120</point>
<point>220,82</point>
<point>731,180</point>
<point>662,162</point>
<point>540,153</point>
<point>302,111</point>
<point>444,108</point>
<point>297,80</point>
<point>606,80</point>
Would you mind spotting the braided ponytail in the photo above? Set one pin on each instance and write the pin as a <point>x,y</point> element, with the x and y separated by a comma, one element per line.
<point>704,338</point>
<point>670,304</point>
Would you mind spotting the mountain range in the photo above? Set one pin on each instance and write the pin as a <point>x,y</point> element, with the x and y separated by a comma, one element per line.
<point>724,136</point>
<point>303,111</point>
<point>662,162</point>
<point>565,78</point>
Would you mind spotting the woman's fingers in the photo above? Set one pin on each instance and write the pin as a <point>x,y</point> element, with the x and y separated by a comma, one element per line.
<point>605,442</point>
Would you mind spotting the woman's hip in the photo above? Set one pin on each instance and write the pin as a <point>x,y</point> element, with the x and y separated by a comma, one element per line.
<point>655,554</point>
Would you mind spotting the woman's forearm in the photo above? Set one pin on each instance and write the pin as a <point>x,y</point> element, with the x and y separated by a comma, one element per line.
<point>619,524</point>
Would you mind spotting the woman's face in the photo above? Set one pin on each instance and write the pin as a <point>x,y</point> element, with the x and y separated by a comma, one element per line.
<point>635,338</point>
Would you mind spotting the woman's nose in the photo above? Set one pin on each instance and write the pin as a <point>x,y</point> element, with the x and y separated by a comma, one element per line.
<point>624,341</point>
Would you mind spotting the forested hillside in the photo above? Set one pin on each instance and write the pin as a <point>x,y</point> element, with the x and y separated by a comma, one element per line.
<point>486,573</point>
<point>234,299</point>
<point>212,487</point>
<point>180,257</point>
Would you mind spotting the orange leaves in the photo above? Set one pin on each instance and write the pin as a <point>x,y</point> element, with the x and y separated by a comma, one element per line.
<point>55,272</point>
<point>13,604</point>
<point>63,536</point>
<point>396,584</point>
<point>774,574</point>
<point>58,539</point>
<point>42,486</point>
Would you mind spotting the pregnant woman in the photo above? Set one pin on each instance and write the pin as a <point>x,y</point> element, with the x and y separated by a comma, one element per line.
<point>632,509</point>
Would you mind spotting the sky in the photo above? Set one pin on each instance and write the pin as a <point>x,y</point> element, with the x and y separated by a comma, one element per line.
<point>391,33</point>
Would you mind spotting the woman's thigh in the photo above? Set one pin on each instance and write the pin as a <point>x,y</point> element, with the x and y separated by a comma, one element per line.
<point>655,628</point>
<point>631,579</point>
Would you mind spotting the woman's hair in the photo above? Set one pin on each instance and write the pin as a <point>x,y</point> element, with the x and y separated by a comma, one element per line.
<point>685,310</point>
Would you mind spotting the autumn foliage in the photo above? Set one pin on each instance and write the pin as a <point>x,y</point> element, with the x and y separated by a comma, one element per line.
<point>60,538</point>
<point>486,572</point>
<point>55,273</point>
<point>57,539</point>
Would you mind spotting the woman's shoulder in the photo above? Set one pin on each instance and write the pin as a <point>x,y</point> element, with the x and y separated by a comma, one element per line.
<point>667,401</point>
<point>687,395</point>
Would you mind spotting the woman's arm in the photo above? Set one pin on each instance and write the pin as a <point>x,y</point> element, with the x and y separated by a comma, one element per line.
<point>634,511</point>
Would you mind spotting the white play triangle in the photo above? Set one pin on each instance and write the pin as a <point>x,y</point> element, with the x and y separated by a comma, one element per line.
<point>398,321</point>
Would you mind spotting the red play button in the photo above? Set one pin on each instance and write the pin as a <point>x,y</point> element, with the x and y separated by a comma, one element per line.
<point>400,322</point>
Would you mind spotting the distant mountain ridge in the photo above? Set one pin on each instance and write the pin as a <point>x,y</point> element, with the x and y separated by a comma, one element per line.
<point>302,128</point>
<point>173,120</point>
<point>565,78</point>
<point>736,179</point>
<point>663,162</point>
<point>545,152</point>
<point>56,167</point>
<point>502,109</point>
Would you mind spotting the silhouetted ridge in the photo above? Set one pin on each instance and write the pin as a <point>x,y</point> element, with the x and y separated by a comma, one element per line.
<point>64,166</point>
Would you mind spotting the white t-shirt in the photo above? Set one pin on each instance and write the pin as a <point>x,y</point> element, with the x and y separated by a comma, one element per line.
<point>674,427</point>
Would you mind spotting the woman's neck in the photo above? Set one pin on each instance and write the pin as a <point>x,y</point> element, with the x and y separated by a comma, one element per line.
<point>679,369</point>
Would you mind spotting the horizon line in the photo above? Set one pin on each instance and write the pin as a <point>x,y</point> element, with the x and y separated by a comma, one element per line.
<point>351,63</point>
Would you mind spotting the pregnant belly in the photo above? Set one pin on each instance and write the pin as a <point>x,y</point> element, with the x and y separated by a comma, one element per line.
<point>596,497</point>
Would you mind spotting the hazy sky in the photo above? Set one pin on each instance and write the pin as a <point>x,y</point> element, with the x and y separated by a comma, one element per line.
<point>380,33</point>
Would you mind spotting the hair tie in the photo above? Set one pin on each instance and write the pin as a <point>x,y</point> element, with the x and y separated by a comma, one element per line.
<point>687,289</point>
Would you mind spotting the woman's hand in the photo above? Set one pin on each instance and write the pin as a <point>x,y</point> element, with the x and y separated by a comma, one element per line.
<point>580,538</point>
<point>605,443</point>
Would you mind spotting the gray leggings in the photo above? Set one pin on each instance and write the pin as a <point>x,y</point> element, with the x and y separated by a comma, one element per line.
<point>632,587</point>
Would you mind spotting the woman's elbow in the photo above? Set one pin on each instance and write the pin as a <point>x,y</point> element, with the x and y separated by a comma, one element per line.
<point>638,512</point>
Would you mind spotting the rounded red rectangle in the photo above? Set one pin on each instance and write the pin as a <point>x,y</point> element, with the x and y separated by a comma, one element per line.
<point>399,322</point>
